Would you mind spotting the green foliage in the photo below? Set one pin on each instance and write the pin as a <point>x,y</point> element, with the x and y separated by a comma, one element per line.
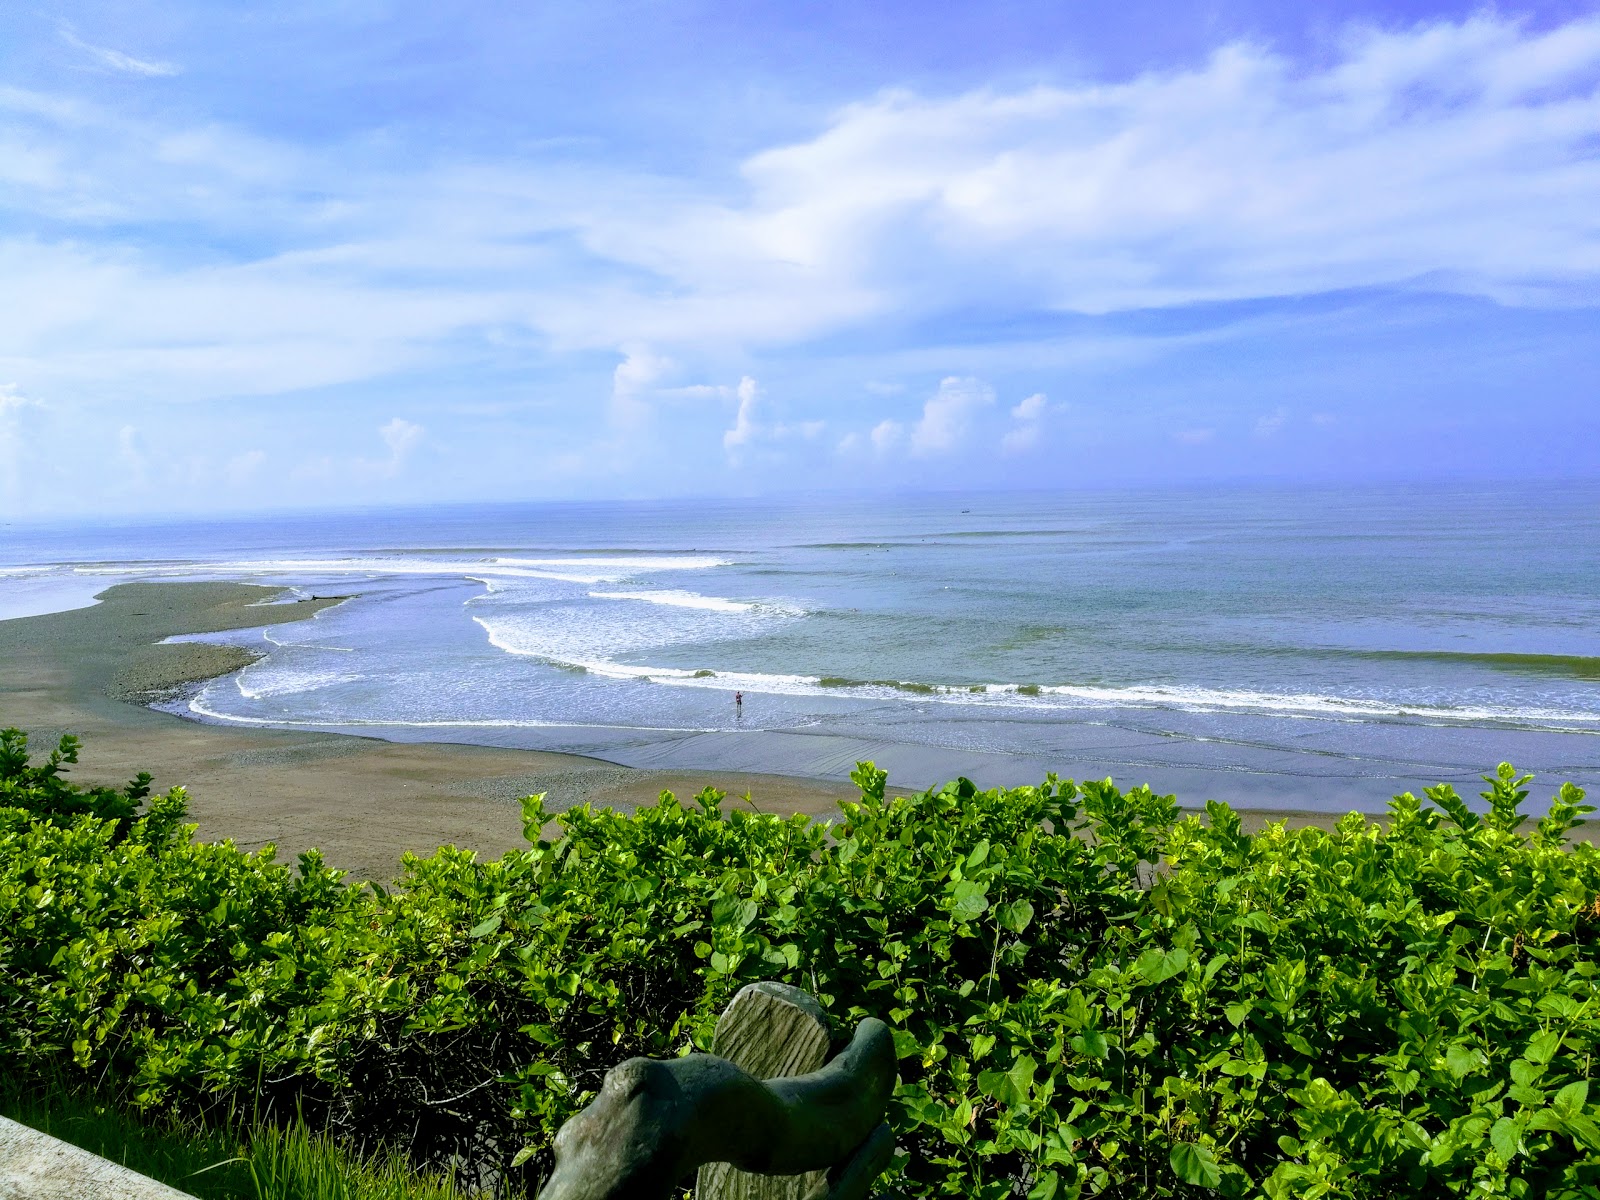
<point>43,791</point>
<point>1089,995</point>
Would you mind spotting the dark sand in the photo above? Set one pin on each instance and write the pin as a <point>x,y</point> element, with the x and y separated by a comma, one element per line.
<point>361,801</point>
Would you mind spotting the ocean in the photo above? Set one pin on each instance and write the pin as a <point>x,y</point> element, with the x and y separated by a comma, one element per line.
<point>1301,648</point>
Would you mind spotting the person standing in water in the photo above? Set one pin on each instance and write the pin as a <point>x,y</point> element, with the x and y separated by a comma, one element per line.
<point>738,704</point>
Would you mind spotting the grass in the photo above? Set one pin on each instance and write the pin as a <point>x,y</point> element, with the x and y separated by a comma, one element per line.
<point>261,1163</point>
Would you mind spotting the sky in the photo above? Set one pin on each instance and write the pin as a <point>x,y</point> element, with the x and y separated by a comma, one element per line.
<point>332,252</point>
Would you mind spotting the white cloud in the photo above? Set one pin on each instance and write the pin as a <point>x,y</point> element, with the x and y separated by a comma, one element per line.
<point>116,60</point>
<point>744,422</point>
<point>749,428</point>
<point>1030,408</point>
<point>631,384</point>
<point>398,435</point>
<point>947,415</point>
<point>886,435</point>
<point>401,436</point>
<point>1248,176</point>
<point>1024,434</point>
<point>1020,439</point>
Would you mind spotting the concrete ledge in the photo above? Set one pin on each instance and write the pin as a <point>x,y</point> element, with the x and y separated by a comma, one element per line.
<point>36,1166</point>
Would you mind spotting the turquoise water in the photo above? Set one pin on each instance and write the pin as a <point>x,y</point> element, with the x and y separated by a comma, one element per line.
<point>1317,647</point>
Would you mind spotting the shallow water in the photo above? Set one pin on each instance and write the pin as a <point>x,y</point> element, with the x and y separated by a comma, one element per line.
<point>1313,648</point>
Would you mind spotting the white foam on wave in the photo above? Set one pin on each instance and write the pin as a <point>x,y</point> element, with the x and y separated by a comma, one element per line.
<point>1063,697</point>
<point>1200,699</point>
<point>266,636</point>
<point>681,599</point>
<point>256,683</point>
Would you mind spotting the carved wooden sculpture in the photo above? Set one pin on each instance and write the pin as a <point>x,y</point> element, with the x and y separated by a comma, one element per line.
<point>656,1121</point>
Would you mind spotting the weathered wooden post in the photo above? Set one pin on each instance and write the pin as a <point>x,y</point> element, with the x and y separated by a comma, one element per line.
<point>784,1124</point>
<point>770,1031</point>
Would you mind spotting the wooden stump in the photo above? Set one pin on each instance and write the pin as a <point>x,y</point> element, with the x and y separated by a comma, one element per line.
<point>772,1031</point>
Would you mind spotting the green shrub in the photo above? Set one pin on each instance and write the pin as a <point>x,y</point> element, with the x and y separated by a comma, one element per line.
<point>1089,995</point>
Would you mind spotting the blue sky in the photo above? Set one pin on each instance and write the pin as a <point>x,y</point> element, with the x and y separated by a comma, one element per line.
<point>259,254</point>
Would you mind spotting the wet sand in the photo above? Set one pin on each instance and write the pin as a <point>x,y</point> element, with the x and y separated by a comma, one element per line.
<point>363,802</point>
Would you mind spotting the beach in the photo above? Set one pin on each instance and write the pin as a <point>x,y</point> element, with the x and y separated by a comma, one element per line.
<point>379,681</point>
<point>361,801</point>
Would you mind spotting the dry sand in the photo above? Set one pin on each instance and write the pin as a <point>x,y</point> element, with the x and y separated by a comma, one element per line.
<point>363,802</point>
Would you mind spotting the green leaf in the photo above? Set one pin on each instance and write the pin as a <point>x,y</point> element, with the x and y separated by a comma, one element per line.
<point>1584,1129</point>
<point>523,1156</point>
<point>969,900</point>
<point>1195,1164</point>
<point>1010,1087</point>
<point>1462,1061</point>
<point>1044,1188</point>
<point>1524,1072</point>
<point>1015,916</point>
<point>1091,1043</point>
<point>1543,1047</point>
<point>1159,965</point>
<point>485,927</point>
<point>1505,1138</point>
<point>1571,1098</point>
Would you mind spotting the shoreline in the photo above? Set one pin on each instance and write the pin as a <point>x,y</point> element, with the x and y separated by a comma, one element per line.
<point>361,800</point>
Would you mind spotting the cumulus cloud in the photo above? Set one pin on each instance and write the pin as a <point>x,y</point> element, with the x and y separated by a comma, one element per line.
<point>886,435</point>
<point>749,428</point>
<point>744,422</point>
<point>639,372</point>
<point>947,415</point>
<point>1024,433</point>
<point>401,436</point>
<point>1030,408</point>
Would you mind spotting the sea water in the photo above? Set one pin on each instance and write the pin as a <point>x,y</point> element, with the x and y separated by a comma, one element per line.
<point>1316,648</point>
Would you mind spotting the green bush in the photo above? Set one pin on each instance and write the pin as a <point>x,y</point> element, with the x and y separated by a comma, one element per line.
<point>1090,995</point>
